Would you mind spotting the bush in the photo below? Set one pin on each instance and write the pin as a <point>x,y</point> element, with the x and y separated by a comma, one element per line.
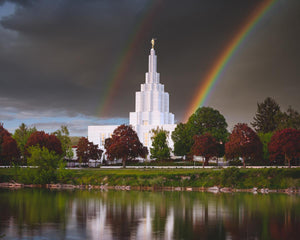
<point>63,174</point>
<point>46,163</point>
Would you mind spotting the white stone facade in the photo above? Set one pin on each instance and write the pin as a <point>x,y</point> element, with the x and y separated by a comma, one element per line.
<point>152,102</point>
<point>98,134</point>
<point>151,111</point>
<point>152,106</point>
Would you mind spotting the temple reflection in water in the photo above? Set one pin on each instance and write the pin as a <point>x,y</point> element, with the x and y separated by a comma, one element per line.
<point>147,215</point>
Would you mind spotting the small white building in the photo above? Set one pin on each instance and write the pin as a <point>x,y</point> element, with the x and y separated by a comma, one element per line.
<point>151,110</point>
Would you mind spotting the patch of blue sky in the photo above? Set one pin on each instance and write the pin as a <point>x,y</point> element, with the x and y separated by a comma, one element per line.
<point>7,9</point>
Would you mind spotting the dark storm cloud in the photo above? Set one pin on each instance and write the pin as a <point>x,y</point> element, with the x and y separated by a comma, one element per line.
<point>64,51</point>
<point>19,2</point>
<point>266,65</point>
<point>59,55</point>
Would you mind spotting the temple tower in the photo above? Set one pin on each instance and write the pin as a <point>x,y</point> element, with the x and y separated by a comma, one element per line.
<point>152,105</point>
<point>151,110</point>
<point>151,102</point>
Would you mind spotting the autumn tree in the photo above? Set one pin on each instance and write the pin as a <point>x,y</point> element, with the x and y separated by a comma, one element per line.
<point>124,144</point>
<point>265,117</point>
<point>159,149</point>
<point>42,139</point>
<point>206,146</point>
<point>245,143</point>
<point>9,151</point>
<point>82,150</point>
<point>21,136</point>
<point>87,150</point>
<point>285,144</point>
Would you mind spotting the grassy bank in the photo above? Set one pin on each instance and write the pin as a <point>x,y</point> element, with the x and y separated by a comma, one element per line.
<point>271,178</point>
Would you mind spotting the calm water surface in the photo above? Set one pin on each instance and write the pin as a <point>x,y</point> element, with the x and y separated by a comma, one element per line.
<point>46,214</point>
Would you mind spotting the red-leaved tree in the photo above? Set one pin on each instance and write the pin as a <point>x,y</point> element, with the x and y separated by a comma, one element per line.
<point>9,151</point>
<point>86,150</point>
<point>42,139</point>
<point>243,142</point>
<point>206,146</point>
<point>82,150</point>
<point>124,144</point>
<point>285,144</point>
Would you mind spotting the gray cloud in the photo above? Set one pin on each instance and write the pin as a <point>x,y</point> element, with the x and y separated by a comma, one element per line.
<point>59,56</point>
<point>5,117</point>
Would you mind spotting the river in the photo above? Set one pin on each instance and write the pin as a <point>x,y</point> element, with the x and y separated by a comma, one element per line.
<point>82,214</point>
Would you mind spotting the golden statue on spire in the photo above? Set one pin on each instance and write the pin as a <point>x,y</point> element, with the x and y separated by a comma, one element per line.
<point>153,42</point>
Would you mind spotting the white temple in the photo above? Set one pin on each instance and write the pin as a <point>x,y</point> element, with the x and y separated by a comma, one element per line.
<point>151,110</point>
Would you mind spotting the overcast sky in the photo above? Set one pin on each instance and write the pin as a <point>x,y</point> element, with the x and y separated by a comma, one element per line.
<point>58,58</point>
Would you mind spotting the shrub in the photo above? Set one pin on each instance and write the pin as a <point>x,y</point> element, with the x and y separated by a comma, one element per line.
<point>46,162</point>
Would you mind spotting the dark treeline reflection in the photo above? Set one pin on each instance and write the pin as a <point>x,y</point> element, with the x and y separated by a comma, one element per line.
<point>28,213</point>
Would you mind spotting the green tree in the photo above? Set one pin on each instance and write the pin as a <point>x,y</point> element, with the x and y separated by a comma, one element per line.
<point>46,161</point>
<point>69,153</point>
<point>265,138</point>
<point>159,149</point>
<point>208,120</point>
<point>265,117</point>
<point>63,135</point>
<point>288,119</point>
<point>204,120</point>
<point>182,140</point>
<point>21,136</point>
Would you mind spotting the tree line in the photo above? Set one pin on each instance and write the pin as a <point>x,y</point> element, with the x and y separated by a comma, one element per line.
<point>275,139</point>
<point>17,148</point>
<point>27,146</point>
<point>47,152</point>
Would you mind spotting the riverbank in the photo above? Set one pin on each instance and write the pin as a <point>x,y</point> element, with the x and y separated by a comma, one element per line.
<point>214,189</point>
<point>229,179</point>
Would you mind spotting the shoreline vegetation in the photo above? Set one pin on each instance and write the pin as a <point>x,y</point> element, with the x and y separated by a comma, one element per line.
<point>231,179</point>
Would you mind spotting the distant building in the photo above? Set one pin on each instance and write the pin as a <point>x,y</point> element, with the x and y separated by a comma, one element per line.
<point>151,110</point>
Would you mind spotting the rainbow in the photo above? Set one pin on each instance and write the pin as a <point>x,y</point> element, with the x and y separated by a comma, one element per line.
<point>125,58</point>
<point>206,86</point>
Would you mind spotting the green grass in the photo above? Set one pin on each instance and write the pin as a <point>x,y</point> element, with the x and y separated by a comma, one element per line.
<point>272,178</point>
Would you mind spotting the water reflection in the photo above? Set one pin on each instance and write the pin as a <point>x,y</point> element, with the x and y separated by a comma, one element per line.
<point>28,213</point>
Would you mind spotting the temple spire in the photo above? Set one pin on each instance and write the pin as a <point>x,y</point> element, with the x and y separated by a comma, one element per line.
<point>152,102</point>
<point>153,42</point>
<point>152,76</point>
